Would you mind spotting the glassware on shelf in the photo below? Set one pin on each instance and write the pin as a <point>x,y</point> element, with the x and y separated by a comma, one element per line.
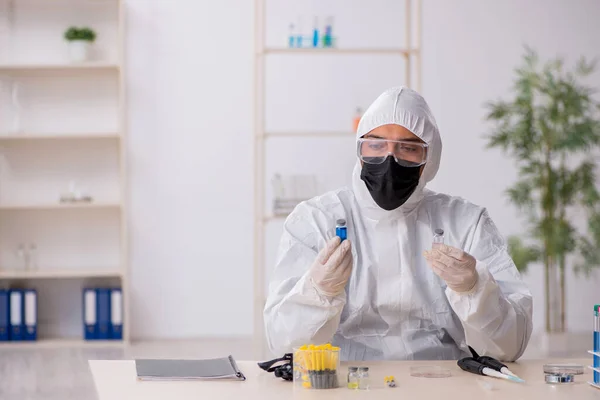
<point>313,37</point>
<point>292,36</point>
<point>32,257</point>
<point>12,89</point>
<point>15,90</point>
<point>299,33</point>
<point>22,257</point>
<point>328,40</point>
<point>75,195</point>
<point>290,190</point>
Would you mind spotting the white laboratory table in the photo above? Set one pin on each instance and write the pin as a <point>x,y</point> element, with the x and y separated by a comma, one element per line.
<point>116,380</point>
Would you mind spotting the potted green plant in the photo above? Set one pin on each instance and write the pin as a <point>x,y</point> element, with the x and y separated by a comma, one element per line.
<point>80,41</point>
<point>550,126</point>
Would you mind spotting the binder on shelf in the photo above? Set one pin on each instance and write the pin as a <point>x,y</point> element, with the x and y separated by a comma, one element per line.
<point>30,314</point>
<point>103,313</point>
<point>90,322</point>
<point>16,315</point>
<point>4,316</point>
<point>116,314</point>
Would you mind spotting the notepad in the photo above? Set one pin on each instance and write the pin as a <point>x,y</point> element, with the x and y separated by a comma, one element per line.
<point>216,368</point>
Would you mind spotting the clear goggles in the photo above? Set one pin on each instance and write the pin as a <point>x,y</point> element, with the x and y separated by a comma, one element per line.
<point>405,152</point>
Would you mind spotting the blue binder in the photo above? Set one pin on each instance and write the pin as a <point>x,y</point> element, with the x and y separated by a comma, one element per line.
<point>90,322</point>
<point>30,314</point>
<point>116,314</point>
<point>16,315</point>
<point>4,315</point>
<point>103,312</point>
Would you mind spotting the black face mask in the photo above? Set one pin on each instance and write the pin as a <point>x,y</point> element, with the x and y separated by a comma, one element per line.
<point>390,183</point>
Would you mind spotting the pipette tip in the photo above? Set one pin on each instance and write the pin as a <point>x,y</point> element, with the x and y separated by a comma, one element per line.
<point>498,374</point>
<point>507,371</point>
<point>515,379</point>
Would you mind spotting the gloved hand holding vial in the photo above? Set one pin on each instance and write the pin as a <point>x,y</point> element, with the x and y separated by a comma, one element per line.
<point>331,270</point>
<point>454,266</point>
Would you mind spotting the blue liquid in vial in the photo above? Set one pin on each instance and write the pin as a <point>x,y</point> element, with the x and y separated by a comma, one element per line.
<point>596,358</point>
<point>342,232</point>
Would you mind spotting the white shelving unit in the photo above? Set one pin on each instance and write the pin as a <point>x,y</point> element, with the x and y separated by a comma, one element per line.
<point>61,136</point>
<point>411,54</point>
<point>69,273</point>
<point>54,343</point>
<point>356,51</point>
<point>22,69</point>
<point>73,120</point>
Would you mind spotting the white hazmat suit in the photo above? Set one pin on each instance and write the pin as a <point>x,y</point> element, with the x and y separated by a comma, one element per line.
<point>394,306</point>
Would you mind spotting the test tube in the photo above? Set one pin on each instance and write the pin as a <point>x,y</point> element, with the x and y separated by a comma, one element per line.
<point>597,343</point>
<point>340,229</point>
<point>291,36</point>
<point>438,237</point>
<point>327,35</point>
<point>315,38</point>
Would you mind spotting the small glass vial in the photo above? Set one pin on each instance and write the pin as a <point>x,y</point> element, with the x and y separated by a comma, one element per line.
<point>353,378</point>
<point>33,257</point>
<point>340,229</point>
<point>364,381</point>
<point>22,258</point>
<point>291,36</point>
<point>438,238</point>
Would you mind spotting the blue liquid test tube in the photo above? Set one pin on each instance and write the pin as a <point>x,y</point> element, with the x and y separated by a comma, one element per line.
<point>315,38</point>
<point>292,36</point>
<point>596,342</point>
<point>340,229</point>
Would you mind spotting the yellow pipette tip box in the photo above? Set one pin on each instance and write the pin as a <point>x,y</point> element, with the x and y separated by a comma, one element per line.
<point>316,367</point>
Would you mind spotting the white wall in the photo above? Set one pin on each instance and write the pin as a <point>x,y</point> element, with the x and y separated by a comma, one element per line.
<point>191,93</point>
<point>190,96</point>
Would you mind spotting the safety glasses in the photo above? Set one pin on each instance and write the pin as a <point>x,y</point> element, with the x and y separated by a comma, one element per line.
<point>405,152</point>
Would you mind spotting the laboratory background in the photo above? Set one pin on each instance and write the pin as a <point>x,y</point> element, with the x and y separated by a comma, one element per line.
<point>150,151</point>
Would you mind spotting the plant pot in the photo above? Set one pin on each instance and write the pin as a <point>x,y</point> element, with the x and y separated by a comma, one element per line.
<point>79,50</point>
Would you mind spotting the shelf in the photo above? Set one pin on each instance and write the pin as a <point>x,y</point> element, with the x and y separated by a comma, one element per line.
<point>65,273</point>
<point>58,206</point>
<point>60,136</point>
<point>357,51</point>
<point>309,134</point>
<point>62,343</point>
<point>88,66</point>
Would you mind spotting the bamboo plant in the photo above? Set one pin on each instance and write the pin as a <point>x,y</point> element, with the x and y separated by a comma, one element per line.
<point>550,126</point>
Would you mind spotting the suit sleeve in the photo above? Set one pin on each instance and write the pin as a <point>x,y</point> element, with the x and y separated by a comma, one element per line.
<point>295,312</point>
<point>497,313</point>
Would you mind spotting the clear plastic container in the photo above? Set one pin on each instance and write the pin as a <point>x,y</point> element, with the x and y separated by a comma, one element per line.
<point>562,373</point>
<point>572,369</point>
<point>317,367</point>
